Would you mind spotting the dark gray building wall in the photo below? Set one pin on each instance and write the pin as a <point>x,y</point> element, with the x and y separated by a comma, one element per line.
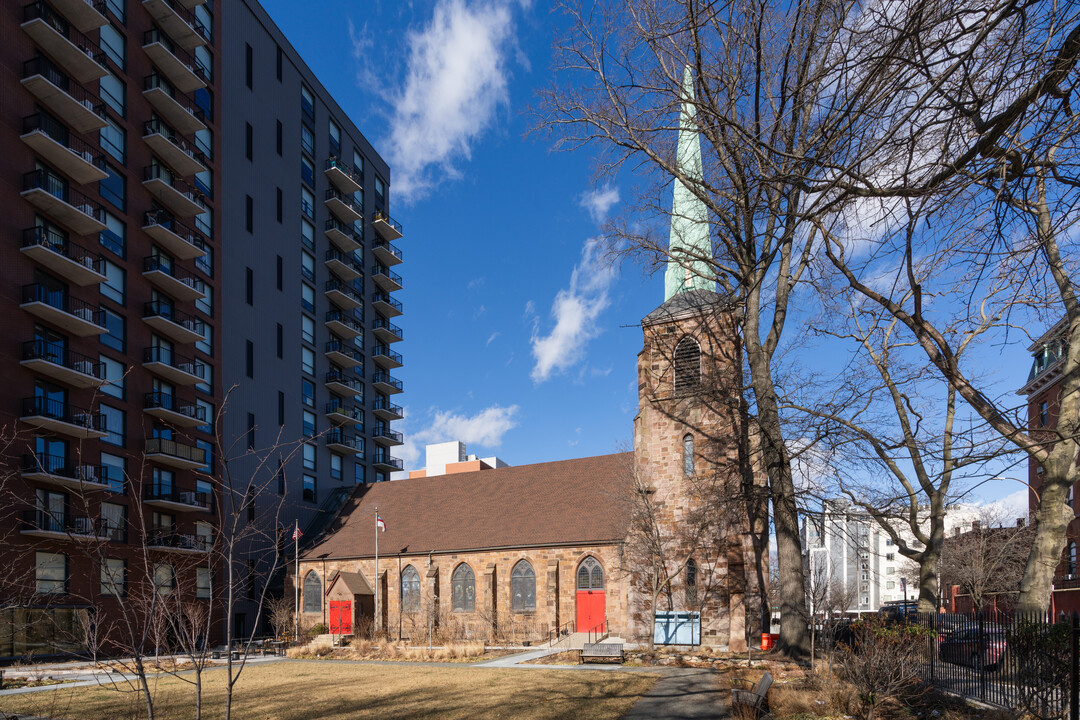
<point>254,253</point>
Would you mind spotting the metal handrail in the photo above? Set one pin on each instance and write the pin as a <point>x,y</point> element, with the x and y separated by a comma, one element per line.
<point>56,186</point>
<point>155,81</point>
<point>379,269</point>
<point>385,351</point>
<point>344,258</point>
<point>386,379</point>
<point>64,412</point>
<point>164,446</point>
<point>163,218</point>
<point>155,35</point>
<point>58,354</point>
<point>50,71</point>
<point>389,221</point>
<point>37,292</point>
<point>157,126</point>
<point>336,162</point>
<point>385,297</point>
<point>162,308</point>
<point>165,175</point>
<point>384,324</point>
<point>340,347</point>
<point>157,263</point>
<point>336,376</point>
<point>389,247</point>
<point>341,317</point>
<point>169,401</point>
<point>41,236</point>
<point>168,356</point>
<point>61,466</point>
<point>335,194</point>
<point>58,132</point>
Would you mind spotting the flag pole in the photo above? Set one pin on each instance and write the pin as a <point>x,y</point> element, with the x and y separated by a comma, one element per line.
<point>296,581</point>
<point>376,623</point>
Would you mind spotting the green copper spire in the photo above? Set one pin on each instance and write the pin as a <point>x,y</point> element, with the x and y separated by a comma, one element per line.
<point>689,237</point>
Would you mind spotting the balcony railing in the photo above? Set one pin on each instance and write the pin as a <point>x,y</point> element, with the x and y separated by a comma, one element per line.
<point>154,35</point>
<point>385,458</point>
<point>187,17</point>
<point>41,236</point>
<point>384,324</point>
<point>52,521</point>
<point>346,290</point>
<point>336,407</point>
<point>336,376</point>
<point>64,412</point>
<point>52,73</point>
<point>58,132</point>
<point>384,431</point>
<point>157,127</point>
<point>170,268</point>
<point>163,219</point>
<point>62,301</point>
<point>57,354</point>
<point>388,247</point>
<point>333,194</point>
<point>190,118</point>
<point>55,186</point>
<point>381,350</point>
<point>333,224</point>
<point>385,298</point>
<point>335,255</point>
<point>385,378</point>
<point>337,165</point>
<point>62,467</point>
<point>384,405</point>
<point>336,346</point>
<point>180,541</point>
<point>337,437</point>
<point>386,272</point>
<point>168,356</point>
<point>39,10</point>
<point>168,401</point>
<point>164,309</point>
<point>190,192</point>
<point>340,317</point>
<point>168,493</point>
<point>387,226</point>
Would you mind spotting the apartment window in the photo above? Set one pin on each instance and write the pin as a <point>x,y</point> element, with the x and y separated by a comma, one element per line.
<point>890,556</point>
<point>307,266</point>
<point>307,139</point>
<point>208,448</point>
<point>249,209</point>
<point>206,303</point>
<point>251,431</point>
<point>114,425</point>
<point>335,139</point>
<point>359,474</point>
<point>114,577</point>
<point>307,329</point>
<point>249,141</point>
<point>114,237</point>
<point>307,203</point>
<point>116,7</point>
<point>280,341</point>
<point>114,286</point>
<point>115,468</point>
<point>205,61</point>
<point>208,413</point>
<point>890,570</point>
<point>307,297</point>
<point>309,456</point>
<point>307,171</point>
<point>310,494</point>
<point>250,359</point>
<point>114,377</point>
<point>204,181</point>
<point>358,163</point>
<point>206,345</point>
<point>112,43</point>
<point>202,583</point>
<point>335,466</point>
<point>114,141</point>
<point>280,136</point>
<point>113,188</point>
<point>111,89</point>
<point>307,234</point>
<point>205,102</point>
<point>1043,414</point>
<point>280,265</point>
<point>309,423</point>
<point>249,62</point>
<point>307,102</point>
<point>280,407</point>
<point>280,210</point>
<point>164,578</point>
<point>204,223</point>
<point>307,360</point>
<point>249,287</point>
<point>307,392</point>
<point>51,573</point>
<point>890,585</point>
<point>888,542</point>
<point>204,140</point>
<point>380,191</point>
<point>279,63</point>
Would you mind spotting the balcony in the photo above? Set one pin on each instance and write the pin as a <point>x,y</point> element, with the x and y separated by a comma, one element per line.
<point>386,358</point>
<point>169,321</point>
<point>56,362</point>
<point>342,176</point>
<point>72,209</point>
<point>342,295</point>
<point>344,265</point>
<point>342,206</point>
<point>85,15</point>
<point>343,354</point>
<point>178,21</point>
<point>385,383</point>
<point>386,305</point>
<point>386,410</point>
<point>179,542</point>
<point>59,471</point>
<point>174,107</point>
<point>164,495</point>
<point>172,149</point>
<point>169,408</point>
<point>61,417</point>
<point>175,454</point>
<point>79,108</point>
<point>385,436</point>
<point>180,67</point>
<point>77,54</point>
<point>58,308</point>
<point>387,331</point>
<point>174,367</point>
<point>70,261</point>
<point>176,281</point>
<point>386,462</point>
<point>385,278</point>
<point>336,412</point>
<point>338,382</point>
<point>342,325</point>
<point>182,242</point>
<point>338,441</point>
<point>171,191</point>
<point>387,227</point>
<point>387,253</point>
<point>54,525</point>
<point>342,235</point>
<point>55,144</point>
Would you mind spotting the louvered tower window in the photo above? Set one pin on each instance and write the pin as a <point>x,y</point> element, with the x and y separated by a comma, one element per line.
<point>687,366</point>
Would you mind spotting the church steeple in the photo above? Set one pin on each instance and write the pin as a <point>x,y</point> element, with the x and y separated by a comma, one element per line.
<point>689,238</point>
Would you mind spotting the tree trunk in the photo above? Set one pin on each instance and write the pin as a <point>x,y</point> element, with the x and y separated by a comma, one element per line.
<point>1051,521</point>
<point>929,589</point>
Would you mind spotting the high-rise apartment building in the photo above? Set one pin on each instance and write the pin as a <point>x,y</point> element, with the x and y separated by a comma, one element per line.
<point>110,184</point>
<point>310,311</point>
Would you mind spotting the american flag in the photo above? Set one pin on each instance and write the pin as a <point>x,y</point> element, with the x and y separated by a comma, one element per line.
<point>296,534</point>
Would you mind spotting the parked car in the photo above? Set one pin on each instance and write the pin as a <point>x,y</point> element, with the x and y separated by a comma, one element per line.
<point>964,646</point>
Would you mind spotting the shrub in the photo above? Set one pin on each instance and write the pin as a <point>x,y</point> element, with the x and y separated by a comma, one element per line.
<point>1040,659</point>
<point>883,661</point>
<point>319,629</point>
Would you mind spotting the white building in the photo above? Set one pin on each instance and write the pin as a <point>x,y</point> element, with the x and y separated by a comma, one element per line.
<point>845,546</point>
<point>451,457</point>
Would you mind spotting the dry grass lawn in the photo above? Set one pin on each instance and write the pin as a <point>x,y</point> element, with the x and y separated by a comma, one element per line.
<point>333,691</point>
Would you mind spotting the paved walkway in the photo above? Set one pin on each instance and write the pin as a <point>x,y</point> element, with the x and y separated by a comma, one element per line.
<point>686,694</point>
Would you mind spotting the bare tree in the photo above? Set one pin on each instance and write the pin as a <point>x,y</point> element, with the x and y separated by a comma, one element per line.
<point>987,562</point>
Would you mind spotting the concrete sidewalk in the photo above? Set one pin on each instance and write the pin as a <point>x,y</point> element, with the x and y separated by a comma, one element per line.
<point>687,694</point>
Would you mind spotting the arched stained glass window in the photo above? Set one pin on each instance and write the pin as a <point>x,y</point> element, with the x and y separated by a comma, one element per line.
<point>410,590</point>
<point>590,575</point>
<point>522,587</point>
<point>688,454</point>
<point>312,592</point>
<point>463,585</point>
<point>691,584</point>
<point>687,363</point>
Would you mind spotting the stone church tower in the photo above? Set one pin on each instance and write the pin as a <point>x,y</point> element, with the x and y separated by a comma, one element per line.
<point>691,437</point>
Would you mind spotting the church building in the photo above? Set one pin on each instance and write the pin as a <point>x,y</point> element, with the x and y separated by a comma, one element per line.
<point>596,544</point>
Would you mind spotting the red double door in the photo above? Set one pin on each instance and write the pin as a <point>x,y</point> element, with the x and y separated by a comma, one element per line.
<point>341,617</point>
<point>590,610</point>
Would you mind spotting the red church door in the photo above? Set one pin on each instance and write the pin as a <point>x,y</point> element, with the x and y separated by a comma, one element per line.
<point>341,617</point>
<point>590,597</point>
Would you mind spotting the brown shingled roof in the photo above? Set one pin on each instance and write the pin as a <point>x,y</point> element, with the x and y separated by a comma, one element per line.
<point>555,503</point>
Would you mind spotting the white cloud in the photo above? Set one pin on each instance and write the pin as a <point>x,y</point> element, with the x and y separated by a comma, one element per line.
<point>575,310</point>
<point>491,338</point>
<point>599,202</point>
<point>455,82</point>
<point>485,429</point>
<point>1007,509</point>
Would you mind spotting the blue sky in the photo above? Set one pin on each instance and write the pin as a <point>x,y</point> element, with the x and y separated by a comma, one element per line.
<point>520,339</point>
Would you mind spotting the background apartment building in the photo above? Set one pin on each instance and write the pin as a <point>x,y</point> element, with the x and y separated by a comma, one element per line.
<point>311,312</point>
<point>845,546</point>
<point>109,180</point>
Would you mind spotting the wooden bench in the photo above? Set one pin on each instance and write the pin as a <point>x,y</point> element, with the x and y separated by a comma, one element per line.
<point>745,695</point>
<point>602,651</point>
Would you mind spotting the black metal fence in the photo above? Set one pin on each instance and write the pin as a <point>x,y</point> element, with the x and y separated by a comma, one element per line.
<point>1025,663</point>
